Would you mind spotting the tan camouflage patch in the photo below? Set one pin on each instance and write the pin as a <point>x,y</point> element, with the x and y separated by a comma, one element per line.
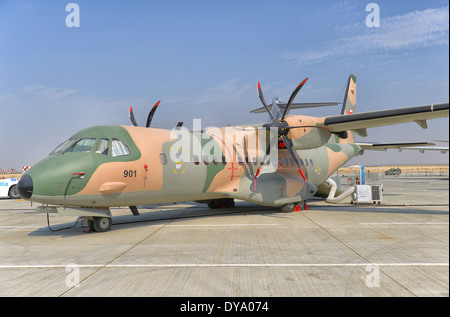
<point>146,172</point>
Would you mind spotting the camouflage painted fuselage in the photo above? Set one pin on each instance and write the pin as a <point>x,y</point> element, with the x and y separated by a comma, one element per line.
<point>148,174</point>
<point>108,166</point>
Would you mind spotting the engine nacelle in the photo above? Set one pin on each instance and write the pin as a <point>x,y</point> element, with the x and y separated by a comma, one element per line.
<point>308,136</point>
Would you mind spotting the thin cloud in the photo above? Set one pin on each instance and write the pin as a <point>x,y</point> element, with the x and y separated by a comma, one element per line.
<point>408,31</point>
<point>49,93</point>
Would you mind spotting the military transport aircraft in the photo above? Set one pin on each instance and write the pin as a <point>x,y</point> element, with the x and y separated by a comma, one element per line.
<point>278,163</point>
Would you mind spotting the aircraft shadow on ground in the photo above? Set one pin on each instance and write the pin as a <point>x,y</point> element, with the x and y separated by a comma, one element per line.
<point>160,216</point>
<point>157,218</point>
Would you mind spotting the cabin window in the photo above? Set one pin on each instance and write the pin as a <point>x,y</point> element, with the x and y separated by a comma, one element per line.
<point>196,160</point>
<point>163,158</point>
<point>311,162</point>
<point>292,161</point>
<point>286,162</point>
<point>103,147</point>
<point>82,145</point>
<point>119,148</point>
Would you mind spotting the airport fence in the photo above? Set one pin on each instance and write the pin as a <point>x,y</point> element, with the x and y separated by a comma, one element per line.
<point>346,180</point>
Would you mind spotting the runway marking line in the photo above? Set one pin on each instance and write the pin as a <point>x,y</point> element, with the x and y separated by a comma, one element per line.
<point>227,225</point>
<point>220,265</point>
<point>404,223</point>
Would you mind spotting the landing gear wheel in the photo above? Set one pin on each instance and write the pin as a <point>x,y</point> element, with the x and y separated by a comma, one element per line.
<point>287,208</point>
<point>102,224</point>
<point>229,203</point>
<point>214,204</point>
<point>221,203</point>
<point>302,205</point>
<point>13,193</point>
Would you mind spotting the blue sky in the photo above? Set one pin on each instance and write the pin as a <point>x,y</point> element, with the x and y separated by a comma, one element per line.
<point>202,59</point>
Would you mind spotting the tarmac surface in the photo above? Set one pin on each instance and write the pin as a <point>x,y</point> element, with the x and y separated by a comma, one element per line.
<point>398,248</point>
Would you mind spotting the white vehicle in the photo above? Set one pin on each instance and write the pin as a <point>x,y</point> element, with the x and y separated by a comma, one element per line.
<point>8,188</point>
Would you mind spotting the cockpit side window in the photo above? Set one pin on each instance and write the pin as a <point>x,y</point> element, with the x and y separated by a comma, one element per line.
<point>63,146</point>
<point>82,145</point>
<point>119,148</point>
<point>103,147</point>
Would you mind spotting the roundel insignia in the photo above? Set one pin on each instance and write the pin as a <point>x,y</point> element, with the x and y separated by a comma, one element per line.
<point>179,169</point>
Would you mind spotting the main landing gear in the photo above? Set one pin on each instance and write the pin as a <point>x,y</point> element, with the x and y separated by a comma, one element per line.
<point>221,203</point>
<point>294,207</point>
<point>98,224</point>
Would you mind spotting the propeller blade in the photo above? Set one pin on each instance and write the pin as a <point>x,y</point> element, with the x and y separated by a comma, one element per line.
<point>291,99</point>
<point>288,145</point>
<point>131,115</point>
<point>264,160</point>
<point>291,151</point>
<point>152,112</point>
<point>256,176</point>
<point>261,97</point>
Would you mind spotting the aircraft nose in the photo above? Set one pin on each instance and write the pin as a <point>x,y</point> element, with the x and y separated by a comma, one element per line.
<point>25,186</point>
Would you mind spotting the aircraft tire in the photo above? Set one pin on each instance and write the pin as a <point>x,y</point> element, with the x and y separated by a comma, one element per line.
<point>302,205</point>
<point>287,208</point>
<point>13,193</point>
<point>214,204</point>
<point>229,203</point>
<point>102,224</point>
<point>221,203</point>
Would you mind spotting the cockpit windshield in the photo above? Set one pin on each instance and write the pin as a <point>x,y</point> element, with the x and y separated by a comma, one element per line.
<point>63,146</point>
<point>118,148</point>
<point>82,145</point>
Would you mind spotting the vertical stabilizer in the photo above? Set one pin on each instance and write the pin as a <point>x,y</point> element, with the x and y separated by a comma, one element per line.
<point>349,105</point>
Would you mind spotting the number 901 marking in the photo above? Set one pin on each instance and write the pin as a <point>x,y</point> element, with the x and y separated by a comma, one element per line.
<point>129,173</point>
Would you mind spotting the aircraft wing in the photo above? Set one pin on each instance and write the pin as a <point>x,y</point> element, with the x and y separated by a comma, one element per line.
<point>358,122</point>
<point>422,149</point>
<point>418,146</point>
<point>386,146</point>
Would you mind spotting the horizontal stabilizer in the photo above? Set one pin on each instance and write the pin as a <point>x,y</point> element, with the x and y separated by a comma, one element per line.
<point>302,105</point>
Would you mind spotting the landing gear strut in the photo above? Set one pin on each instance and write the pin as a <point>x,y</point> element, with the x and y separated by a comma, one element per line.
<point>98,224</point>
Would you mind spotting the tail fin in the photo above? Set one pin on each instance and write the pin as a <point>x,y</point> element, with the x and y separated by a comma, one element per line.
<point>349,105</point>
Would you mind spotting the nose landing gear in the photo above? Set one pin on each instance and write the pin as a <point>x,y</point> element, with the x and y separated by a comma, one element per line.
<point>98,224</point>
